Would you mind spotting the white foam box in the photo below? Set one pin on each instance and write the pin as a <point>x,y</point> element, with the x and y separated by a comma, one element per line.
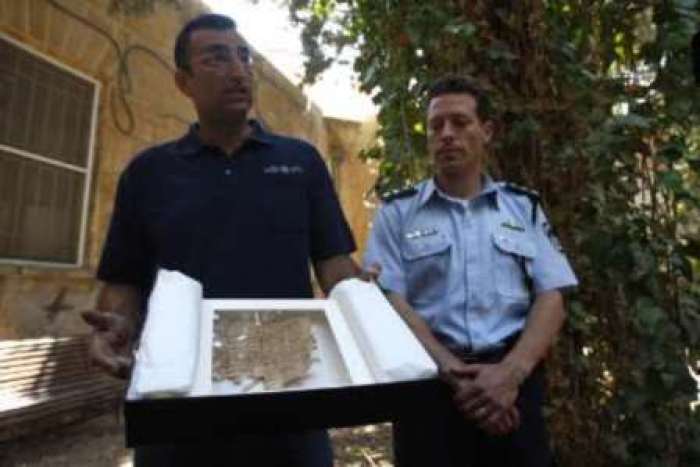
<point>340,388</point>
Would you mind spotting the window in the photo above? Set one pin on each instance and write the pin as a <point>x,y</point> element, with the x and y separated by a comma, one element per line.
<point>47,127</point>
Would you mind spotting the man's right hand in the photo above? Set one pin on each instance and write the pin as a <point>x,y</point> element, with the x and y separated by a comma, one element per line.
<point>111,344</point>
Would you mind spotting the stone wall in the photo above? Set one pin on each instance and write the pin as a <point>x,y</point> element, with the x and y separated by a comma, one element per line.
<point>354,179</point>
<point>43,301</point>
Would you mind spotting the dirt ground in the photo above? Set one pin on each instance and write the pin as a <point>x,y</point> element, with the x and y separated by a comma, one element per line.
<point>100,443</point>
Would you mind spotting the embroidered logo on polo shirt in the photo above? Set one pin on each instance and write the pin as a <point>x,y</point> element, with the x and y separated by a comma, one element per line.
<point>283,169</point>
<point>420,233</point>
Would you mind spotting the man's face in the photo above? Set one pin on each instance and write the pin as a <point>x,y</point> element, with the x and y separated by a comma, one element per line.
<point>457,137</point>
<point>219,80</point>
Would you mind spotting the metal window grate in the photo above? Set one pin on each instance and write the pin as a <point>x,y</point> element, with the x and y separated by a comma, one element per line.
<point>46,128</point>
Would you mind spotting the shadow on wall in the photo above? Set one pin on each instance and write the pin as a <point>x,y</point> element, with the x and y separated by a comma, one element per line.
<point>34,307</point>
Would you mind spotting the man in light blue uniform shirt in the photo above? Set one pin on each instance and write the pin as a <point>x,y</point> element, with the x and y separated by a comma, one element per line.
<point>473,267</point>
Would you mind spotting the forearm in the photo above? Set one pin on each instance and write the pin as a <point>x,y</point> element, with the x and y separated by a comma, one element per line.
<point>442,356</point>
<point>332,270</point>
<point>541,329</point>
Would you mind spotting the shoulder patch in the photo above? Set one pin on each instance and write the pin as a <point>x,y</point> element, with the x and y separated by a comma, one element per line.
<point>521,190</point>
<point>532,195</point>
<point>398,194</point>
<point>551,233</point>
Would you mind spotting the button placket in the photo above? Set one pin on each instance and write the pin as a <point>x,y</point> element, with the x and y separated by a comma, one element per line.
<point>467,214</point>
<point>465,235</point>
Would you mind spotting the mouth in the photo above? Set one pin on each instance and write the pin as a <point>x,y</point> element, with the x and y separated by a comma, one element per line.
<point>449,152</point>
<point>237,93</point>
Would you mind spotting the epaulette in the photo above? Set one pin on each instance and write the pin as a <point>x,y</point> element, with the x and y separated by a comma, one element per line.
<point>398,194</point>
<point>532,195</point>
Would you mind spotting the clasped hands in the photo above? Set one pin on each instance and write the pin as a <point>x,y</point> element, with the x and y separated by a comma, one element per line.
<point>486,394</point>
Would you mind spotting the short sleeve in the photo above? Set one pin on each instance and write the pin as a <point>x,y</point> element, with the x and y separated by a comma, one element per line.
<point>330,233</point>
<point>551,269</point>
<point>384,249</point>
<point>126,256</point>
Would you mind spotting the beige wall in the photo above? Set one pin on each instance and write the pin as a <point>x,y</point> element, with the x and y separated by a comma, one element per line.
<point>354,179</point>
<point>40,301</point>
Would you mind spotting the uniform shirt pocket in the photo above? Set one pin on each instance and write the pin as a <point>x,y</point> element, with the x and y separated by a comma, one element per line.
<point>513,256</point>
<point>426,260</point>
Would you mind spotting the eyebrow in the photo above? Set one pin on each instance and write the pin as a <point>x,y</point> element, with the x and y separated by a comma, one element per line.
<point>214,48</point>
<point>450,115</point>
<point>219,47</point>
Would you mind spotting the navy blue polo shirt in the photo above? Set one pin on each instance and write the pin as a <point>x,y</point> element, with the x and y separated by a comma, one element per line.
<point>245,225</point>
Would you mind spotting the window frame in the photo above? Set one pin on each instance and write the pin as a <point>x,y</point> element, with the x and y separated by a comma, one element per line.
<point>87,171</point>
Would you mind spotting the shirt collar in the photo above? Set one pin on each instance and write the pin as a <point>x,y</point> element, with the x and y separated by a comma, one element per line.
<point>489,191</point>
<point>428,191</point>
<point>191,143</point>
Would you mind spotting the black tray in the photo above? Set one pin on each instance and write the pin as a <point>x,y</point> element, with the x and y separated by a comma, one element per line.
<point>193,419</point>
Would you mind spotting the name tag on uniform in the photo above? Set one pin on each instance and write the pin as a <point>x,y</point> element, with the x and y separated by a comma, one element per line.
<point>513,226</point>
<point>420,233</point>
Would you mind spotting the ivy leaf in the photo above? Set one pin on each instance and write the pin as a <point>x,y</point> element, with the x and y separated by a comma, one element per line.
<point>672,180</point>
<point>648,315</point>
<point>464,30</point>
<point>691,248</point>
<point>634,120</point>
<point>672,152</point>
<point>682,266</point>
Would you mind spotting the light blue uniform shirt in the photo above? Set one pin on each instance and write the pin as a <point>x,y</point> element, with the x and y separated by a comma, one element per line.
<point>464,266</point>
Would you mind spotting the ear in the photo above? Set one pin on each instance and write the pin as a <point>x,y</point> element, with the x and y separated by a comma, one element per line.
<point>488,128</point>
<point>182,81</point>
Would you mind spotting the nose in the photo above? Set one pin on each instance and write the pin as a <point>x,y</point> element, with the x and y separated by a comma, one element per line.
<point>238,68</point>
<point>447,132</point>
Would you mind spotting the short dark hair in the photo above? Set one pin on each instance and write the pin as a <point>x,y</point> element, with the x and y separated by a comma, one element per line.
<point>206,21</point>
<point>455,84</point>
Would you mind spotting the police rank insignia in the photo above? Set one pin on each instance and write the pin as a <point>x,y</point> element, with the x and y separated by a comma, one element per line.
<point>512,226</point>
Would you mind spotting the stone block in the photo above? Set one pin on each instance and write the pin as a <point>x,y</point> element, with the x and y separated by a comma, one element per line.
<point>40,306</point>
<point>16,16</point>
<point>57,33</point>
<point>38,20</point>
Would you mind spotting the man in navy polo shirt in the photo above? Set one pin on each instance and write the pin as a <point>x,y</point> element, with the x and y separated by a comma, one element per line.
<point>240,209</point>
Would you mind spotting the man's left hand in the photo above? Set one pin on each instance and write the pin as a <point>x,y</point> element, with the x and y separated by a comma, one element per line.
<point>371,273</point>
<point>494,389</point>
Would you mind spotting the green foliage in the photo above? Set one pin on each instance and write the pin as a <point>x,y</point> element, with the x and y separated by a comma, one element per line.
<point>598,111</point>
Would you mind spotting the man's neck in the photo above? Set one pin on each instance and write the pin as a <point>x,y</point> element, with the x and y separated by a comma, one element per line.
<point>228,136</point>
<point>460,186</point>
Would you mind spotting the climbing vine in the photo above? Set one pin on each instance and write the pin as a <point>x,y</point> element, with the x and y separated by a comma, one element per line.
<point>597,110</point>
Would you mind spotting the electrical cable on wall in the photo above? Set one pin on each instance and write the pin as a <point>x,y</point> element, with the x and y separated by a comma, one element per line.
<point>125,83</point>
<point>124,80</point>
